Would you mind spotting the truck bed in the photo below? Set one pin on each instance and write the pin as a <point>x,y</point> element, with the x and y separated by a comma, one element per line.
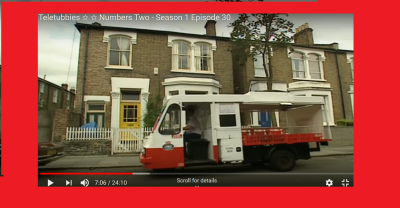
<point>269,136</point>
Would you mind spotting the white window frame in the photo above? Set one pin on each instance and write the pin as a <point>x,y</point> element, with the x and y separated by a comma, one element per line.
<point>304,66</point>
<point>351,92</point>
<point>319,66</point>
<point>350,60</point>
<point>306,53</point>
<point>175,55</point>
<point>41,87</point>
<point>200,56</point>
<point>260,72</point>
<point>193,44</point>
<point>55,96</point>
<point>87,111</point>
<point>130,53</point>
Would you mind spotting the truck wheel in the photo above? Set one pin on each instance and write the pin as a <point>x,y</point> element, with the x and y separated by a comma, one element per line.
<point>283,160</point>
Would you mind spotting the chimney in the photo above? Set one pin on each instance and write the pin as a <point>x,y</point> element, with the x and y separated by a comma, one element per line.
<point>65,86</point>
<point>210,28</point>
<point>72,90</point>
<point>44,77</point>
<point>304,35</point>
<point>335,46</point>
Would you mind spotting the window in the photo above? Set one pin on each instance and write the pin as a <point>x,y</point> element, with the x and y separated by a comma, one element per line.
<point>259,66</point>
<point>227,115</point>
<point>130,95</point>
<point>119,51</point>
<point>314,66</point>
<point>55,96</point>
<point>41,87</point>
<point>68,96</point>
<point>171,123</point>
<point>298,66</point>
<point>203,57</point>
<point>188,92</point>
<point>172,93</point>
<point>41,103</point>
<point>181,55</point>
<point>307,68</point>
<point>95,112</point>
<point>352,71</point>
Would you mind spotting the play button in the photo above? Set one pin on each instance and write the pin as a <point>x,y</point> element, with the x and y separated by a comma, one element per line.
<point>49,182</point>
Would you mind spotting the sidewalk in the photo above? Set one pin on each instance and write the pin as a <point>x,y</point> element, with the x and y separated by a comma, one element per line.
<point>106,161</point>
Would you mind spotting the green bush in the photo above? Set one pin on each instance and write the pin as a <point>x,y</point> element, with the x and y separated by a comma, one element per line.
<point>153,108</point>
<point>345,122</point>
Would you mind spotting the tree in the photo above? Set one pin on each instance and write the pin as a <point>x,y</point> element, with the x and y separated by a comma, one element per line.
<point>258,34</point>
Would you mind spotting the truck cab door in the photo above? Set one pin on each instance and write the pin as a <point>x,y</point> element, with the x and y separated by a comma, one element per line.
<point>166,144</point>
<point>228,131</point>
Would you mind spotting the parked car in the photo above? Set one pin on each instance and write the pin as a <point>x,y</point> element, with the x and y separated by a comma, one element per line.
<point>49,152</point>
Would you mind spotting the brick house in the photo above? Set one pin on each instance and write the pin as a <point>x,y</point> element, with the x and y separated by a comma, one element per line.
<point>124,67</point>
<point>52,96</point>
<point>121,66</point>
<point>304,69</point>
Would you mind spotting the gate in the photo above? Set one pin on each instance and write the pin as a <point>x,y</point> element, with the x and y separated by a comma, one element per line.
<point>126,140</point>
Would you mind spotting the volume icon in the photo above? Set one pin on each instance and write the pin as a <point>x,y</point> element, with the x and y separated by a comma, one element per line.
<point>85,182</point>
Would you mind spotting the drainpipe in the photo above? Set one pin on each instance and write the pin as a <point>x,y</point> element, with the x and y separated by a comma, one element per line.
<point>341,87</point>
<point>84,71</point>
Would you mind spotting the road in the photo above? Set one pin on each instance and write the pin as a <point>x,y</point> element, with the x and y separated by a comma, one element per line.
<point>313,172</point>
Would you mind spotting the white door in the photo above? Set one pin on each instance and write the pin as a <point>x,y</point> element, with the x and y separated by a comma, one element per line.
<point>228,131</point>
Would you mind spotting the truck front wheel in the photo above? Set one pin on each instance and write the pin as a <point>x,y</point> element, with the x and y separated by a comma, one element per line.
<point>283,160</point>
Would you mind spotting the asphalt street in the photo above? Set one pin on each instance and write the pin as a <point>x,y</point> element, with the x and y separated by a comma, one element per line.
<point>313,172</point>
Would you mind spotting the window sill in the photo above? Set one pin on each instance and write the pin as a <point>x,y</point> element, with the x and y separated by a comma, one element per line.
<point>260,76</point>
<point>120,68</point>
<point>313,80</point>
<point>193,72</point>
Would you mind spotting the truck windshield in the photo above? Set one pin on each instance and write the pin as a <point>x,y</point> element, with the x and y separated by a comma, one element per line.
<point>158,119</point>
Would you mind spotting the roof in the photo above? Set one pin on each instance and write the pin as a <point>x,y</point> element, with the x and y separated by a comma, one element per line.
<point>80,26</point>
<point>52,84</point>
<point>321,48</point>
<point>257,100</point>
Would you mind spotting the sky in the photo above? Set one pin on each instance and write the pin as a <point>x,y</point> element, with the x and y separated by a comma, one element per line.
<point>58,41</point>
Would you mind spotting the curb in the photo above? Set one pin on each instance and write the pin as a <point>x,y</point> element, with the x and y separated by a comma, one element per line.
<point>140,165</point>
<point>338,154</point>
<point>88,167</point>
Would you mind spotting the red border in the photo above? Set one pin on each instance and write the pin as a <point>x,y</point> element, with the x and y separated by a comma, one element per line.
<point>374,31</point>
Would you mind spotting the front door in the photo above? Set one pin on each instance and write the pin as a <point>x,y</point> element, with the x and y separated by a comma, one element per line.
<point>265,119</point>
<point>98,118</point>
<point>130,121</point>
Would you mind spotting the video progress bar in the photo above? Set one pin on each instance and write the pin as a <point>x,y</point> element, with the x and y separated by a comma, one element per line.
<point>209,174</point>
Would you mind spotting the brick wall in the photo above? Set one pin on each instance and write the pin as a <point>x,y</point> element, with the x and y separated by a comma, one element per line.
<point>91,147</point>
<point>64,118</point>
<point>151,51</point>
<point>47,97</point>
<point>282,72</point>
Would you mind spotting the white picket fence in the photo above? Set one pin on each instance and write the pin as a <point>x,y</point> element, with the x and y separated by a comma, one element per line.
<point>122,140</point>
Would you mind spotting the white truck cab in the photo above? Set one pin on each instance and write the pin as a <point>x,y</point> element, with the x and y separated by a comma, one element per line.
<point>223,138</point>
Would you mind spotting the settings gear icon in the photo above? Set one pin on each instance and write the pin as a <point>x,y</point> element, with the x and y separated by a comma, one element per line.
<point>329,182</point>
